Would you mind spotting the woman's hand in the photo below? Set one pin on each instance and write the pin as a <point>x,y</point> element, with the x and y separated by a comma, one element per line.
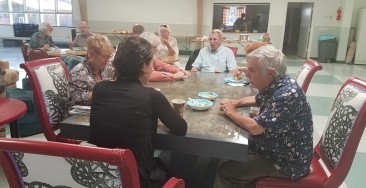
<point>165,42</point>
<point>179,75</point>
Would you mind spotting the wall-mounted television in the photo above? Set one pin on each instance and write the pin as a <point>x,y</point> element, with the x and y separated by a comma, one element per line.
<point>24,30</point>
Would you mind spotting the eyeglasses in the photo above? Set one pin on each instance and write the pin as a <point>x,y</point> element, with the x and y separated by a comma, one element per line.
<point>164,26</point>
<point>103,56</point>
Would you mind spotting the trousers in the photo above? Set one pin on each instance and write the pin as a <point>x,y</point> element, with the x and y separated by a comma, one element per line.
<point>236,174</point>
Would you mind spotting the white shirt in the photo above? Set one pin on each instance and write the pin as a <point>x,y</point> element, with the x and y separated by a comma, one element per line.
<point>222,60</point>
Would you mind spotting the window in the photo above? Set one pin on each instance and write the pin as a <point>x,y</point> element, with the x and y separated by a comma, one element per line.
<point>255,18</point>
<point>56,12</point>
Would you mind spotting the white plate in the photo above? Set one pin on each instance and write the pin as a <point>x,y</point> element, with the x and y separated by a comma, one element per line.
<point>199,104</point>
<point>208,95</point>
<point>235,84</point>
<point>232,80</point>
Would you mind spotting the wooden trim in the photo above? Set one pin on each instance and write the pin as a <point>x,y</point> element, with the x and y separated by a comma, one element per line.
<point>83,10</point>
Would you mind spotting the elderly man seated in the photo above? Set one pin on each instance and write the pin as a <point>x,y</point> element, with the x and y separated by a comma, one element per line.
<point>42,39</point>
<point>80,40</point>
<point>216,57</point>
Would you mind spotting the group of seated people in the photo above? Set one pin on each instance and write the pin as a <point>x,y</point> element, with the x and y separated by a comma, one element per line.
<point>125,111</point>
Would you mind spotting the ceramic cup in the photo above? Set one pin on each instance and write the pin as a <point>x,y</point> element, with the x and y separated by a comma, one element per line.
<point>178,105</point>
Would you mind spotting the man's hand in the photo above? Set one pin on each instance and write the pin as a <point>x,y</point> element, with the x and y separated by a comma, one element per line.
<point>239,70</point>
<point>46,47</point>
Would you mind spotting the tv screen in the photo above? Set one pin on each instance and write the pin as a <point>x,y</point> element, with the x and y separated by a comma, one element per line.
<point>24,30</point>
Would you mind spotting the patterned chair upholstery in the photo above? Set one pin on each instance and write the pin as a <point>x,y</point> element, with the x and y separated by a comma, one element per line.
<point>28,163</point>
<point>306,73</point>
<point>338,144</point>
<point>49,82</point>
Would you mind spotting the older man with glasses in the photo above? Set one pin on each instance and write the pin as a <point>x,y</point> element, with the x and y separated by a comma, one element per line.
<point>80,40</point>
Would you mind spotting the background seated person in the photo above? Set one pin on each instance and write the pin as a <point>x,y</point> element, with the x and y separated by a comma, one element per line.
<point>216,57</point>
<point>281,135</point>
<point>95,68</point>
<point>248,48</point>
<point>42,39</point>
<point>137,30</point>
<point>124,113</point>
<point>80,40</point>
<point>163,71</point>
<point>168,45</point>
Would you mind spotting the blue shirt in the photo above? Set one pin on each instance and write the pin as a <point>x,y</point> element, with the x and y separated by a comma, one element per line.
<point>288,138</point>
<point>222,60</point>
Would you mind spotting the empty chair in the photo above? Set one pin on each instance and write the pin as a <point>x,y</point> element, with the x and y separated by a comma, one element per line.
<point>338,144</point>
<point>28,163</point>
<point>192,58</point>
<point>24,48</point>
<point>49,82</point>
<point>234,49</point>
<point>35,54</point>
<point>306,73</point>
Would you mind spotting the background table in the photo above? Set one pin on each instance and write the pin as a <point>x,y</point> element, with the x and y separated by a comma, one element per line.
<point>10,111</point>
<point>66,52</point>
<point>210,133</point>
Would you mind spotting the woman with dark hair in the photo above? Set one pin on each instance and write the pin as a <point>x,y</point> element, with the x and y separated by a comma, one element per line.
<point>125,113</point>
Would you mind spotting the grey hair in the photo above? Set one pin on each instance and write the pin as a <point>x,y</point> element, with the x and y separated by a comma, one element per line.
<point>270,58</point>
<point>151,37</point>
<point>43,26</point>
<point>218,31</point>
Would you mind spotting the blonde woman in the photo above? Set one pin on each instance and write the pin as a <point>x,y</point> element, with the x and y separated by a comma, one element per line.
<point>168,45</point>
<point>95,68</point>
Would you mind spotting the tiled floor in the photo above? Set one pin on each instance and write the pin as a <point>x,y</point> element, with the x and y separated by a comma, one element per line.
<point>321,93</point>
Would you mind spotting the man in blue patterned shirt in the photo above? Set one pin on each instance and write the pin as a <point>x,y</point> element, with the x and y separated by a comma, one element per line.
<point>281,141</point>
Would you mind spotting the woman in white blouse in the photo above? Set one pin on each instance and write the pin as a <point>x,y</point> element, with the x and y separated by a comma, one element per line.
<point>168,45</point>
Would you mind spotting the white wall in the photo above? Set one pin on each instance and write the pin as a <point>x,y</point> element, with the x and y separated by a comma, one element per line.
<point>181,16</point>
<point>106,16</point>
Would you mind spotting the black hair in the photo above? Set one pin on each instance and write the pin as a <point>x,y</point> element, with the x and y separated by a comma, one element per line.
<point>131,54</point>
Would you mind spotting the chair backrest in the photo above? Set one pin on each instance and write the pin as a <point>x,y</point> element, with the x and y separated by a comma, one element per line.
<point>306,73</point>
<point>345,126</point>
<point>192,58</point>
<point>234,49</point>
<point>35,54</point>
<point>29,163</point>
<point>49,82</point>
<point>24,48</point>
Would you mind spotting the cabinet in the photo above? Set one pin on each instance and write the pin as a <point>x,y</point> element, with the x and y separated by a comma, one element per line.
<point>360,56</point>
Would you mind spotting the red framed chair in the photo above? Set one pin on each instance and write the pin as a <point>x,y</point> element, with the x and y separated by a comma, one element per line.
<point>28,163</point>
<point>24,48</point>
<point>306,73</point>
<point>234,49</point>
<point>49,81</point>
<point>37,54</point>
<point>338,144</point>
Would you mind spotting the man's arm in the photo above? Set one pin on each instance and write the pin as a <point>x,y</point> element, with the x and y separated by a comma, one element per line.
<point>244,122</point>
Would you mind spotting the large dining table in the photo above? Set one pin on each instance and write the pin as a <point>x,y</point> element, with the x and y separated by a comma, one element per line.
<point>66,51</point>
<point>210,133</point>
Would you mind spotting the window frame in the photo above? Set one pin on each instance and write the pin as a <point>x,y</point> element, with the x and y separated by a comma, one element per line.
<point>56,14</point>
